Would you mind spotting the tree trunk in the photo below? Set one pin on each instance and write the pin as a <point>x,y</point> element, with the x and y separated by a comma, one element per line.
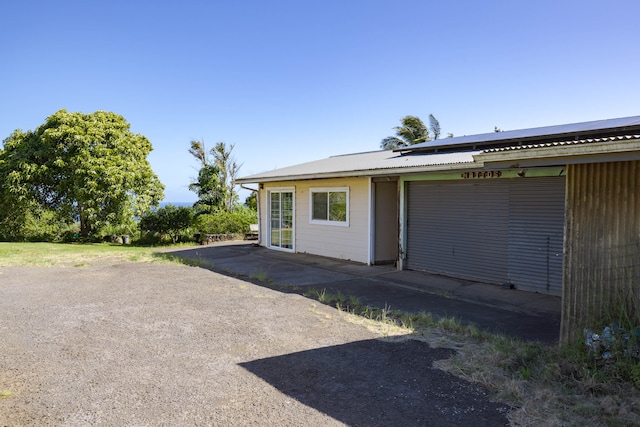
<point>85,227</point>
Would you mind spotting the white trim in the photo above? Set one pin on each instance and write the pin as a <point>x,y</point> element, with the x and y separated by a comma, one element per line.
<point>402,232</point>
<point>292,190</point>
<point>328,190</point>
<point>371,220</point>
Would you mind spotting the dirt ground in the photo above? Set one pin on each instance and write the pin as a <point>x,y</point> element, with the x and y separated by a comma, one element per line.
<point>158,344</point>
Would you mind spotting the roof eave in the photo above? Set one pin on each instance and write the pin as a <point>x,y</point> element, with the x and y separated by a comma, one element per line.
<point>364,173</point>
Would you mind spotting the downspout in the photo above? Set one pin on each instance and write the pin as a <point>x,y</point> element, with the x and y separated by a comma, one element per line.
<point>258,208</point>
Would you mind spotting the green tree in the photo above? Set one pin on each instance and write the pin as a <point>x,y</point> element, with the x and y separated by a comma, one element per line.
<point>412,131</point>
<point>208,187</point>
<point>85,167</point>
<point>215,185</point>
<point>229,168</point>
<point>251,202</point>
<point>197,150</point>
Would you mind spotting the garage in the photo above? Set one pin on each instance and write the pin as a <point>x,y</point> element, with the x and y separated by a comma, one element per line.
<point>489,229</point>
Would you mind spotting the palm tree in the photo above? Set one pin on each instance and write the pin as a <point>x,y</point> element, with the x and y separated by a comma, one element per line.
<point>413,131</point>
<point>197,150</point>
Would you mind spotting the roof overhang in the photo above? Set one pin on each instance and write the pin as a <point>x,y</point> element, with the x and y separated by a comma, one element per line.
<point>594,152</point>
<point>369,173</point>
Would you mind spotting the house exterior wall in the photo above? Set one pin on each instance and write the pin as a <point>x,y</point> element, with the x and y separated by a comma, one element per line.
<point>601,275</point>
<point>343,242</point>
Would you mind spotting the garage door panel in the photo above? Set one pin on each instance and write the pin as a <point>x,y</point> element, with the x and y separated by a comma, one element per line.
<point>458,229</point>
<point>498,231</point>
<point>536,234</point>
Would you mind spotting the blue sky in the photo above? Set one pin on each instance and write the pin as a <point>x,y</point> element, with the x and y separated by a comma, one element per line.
<point>294,81</point>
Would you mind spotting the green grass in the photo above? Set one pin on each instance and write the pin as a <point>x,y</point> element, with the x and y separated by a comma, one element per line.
<point>259,275</point>
<point>71,254</point>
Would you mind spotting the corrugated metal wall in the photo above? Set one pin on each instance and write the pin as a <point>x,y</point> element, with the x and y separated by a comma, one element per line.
<point>602,247</point>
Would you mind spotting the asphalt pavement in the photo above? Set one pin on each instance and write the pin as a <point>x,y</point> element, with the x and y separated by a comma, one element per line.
<point>526,315</point>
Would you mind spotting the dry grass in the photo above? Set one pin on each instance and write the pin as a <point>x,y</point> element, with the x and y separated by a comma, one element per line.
<point>51,254</point>
<point>529,377</point>
<point>546,385</point>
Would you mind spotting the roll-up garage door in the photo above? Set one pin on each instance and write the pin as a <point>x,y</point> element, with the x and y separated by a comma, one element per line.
<point>536,234</point>
<point>497,231</point>
<point>458,228</point>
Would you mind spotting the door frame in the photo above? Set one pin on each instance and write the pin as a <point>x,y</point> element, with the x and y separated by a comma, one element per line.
<point>281,190</point>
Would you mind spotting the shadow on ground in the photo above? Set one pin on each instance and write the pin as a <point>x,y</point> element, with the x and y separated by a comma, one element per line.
<point>380,382</point>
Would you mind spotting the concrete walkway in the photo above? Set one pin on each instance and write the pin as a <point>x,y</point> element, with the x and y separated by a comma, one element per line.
<point>526,315</point>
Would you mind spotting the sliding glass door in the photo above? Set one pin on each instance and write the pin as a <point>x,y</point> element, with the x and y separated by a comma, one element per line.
<point>281,214</point>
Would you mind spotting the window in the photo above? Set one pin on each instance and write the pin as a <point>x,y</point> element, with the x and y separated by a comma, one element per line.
<point>330,206</point>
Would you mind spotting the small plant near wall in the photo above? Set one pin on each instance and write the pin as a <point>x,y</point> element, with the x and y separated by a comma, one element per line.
<point>614,351</point>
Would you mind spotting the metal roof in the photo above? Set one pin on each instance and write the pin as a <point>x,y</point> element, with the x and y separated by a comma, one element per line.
<point>365,164</point>
<point>607,136</point>
<point>620,138</point>
<point>584,130</point>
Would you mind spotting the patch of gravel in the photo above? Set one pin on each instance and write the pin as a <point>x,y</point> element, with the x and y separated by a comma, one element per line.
<point>158,344</point>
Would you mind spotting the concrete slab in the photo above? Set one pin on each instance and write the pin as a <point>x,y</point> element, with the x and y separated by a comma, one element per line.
<point>511,312</point>
<point>249,261</point>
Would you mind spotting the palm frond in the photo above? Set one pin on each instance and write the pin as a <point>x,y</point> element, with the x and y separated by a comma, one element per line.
<point>434,126</point>
<point>391,143</point>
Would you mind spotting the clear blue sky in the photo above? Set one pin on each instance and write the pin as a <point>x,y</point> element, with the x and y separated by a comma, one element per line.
<point>294,81</point>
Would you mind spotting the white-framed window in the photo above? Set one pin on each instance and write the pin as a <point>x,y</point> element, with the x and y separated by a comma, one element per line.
<point>329,206</point>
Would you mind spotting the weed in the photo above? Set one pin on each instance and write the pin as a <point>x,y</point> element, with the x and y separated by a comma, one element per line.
<point>5,394</point>
<point>259,275</point>
<point>354,301</point>
<point>263,296</point>
<point>524,373</point>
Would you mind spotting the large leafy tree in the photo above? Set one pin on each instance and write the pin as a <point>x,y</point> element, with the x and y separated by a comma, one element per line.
<point>412,131</point>
<point>85,167</point>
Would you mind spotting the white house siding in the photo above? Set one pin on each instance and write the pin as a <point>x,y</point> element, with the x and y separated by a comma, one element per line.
<point>348,243</point>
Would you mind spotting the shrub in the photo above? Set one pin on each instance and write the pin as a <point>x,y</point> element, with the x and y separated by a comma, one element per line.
<point>36,225</point>
<point>170,220</point>
<point>224,222</point>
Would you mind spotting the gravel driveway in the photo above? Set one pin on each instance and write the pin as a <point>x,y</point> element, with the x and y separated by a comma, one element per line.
<point>158,344</point>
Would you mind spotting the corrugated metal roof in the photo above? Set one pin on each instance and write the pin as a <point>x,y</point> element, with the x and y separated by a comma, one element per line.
<point>377,163</point>
<point>369,164</point>
<point>598,128</point>
<point>620,138</point>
